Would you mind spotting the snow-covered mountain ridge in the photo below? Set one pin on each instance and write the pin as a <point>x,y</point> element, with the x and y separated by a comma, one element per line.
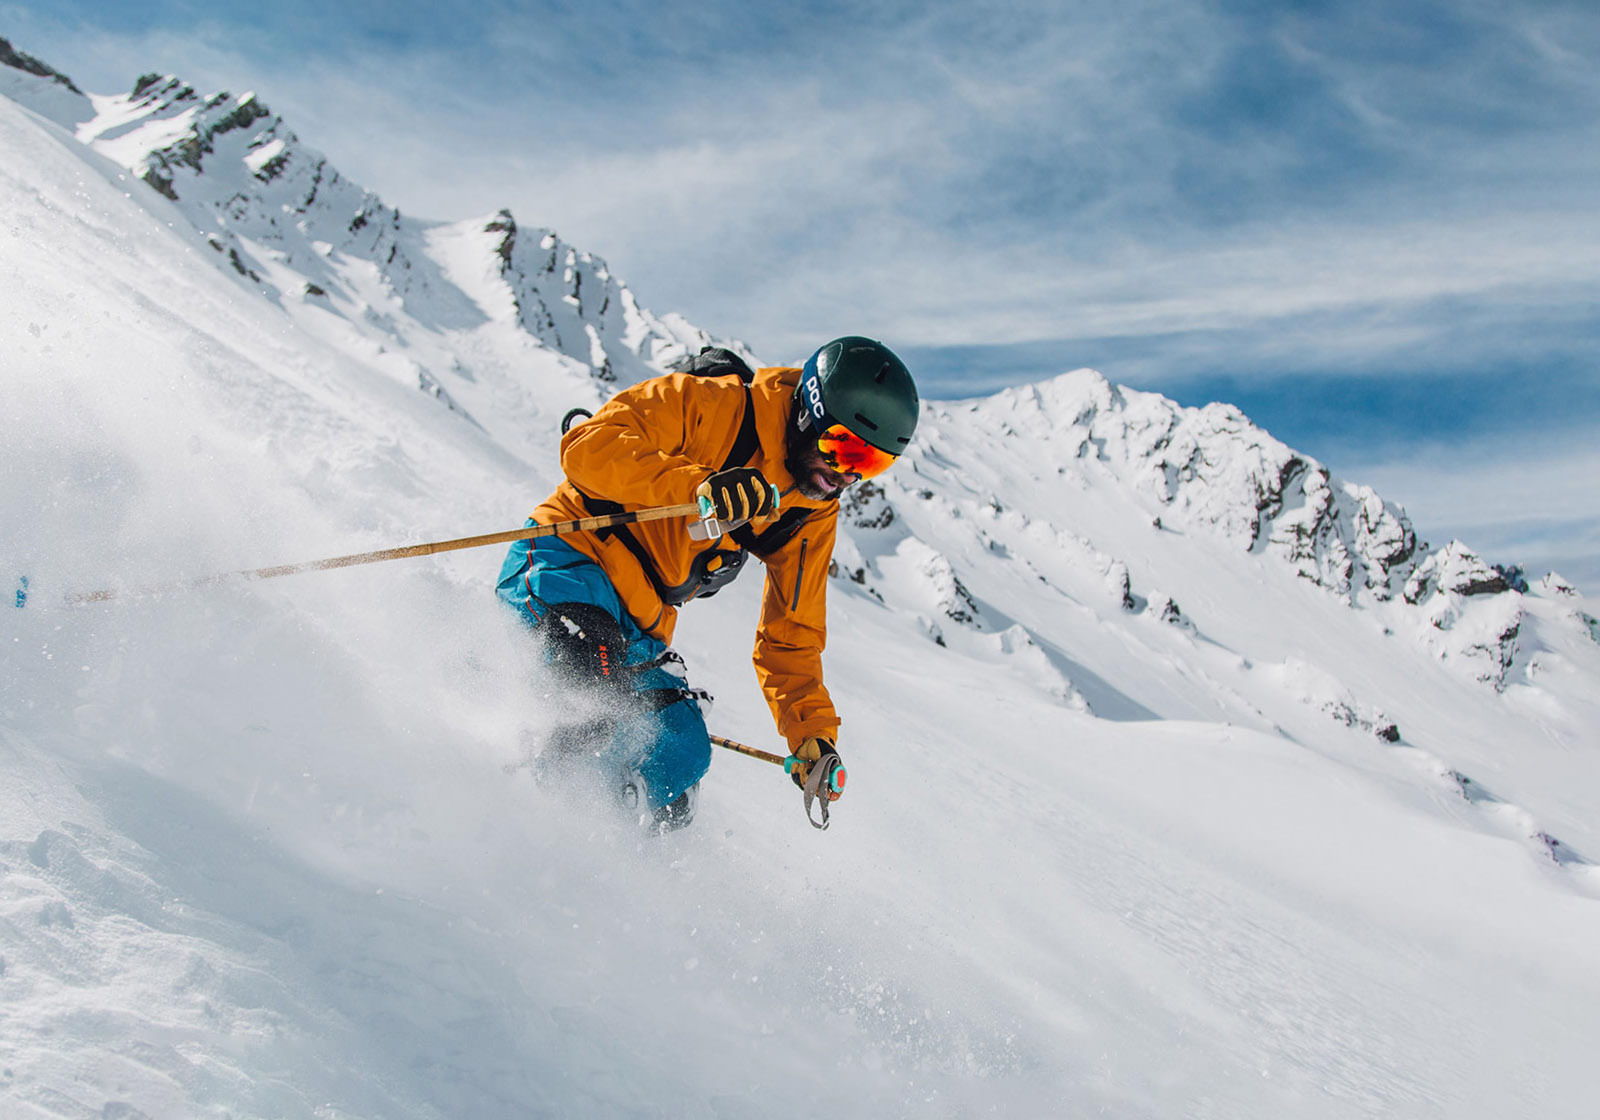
<point>1211,470</point>
<point>443,306</point>
<point>1174,787</point>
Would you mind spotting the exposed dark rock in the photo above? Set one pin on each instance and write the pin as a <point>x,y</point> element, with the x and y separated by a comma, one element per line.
<point>316,185</point>
<point>1122,586</point>
<point>244,116</point>
<point>1592,623</point>
<point>1514,577</point>
<point>17,60</point>
<point>239,266</point>
<point>1269,493</point>
<point>866,506</point>
<point>1491,585</point>
<point>1556,584</point>
<point>503,223</point>
<point>963,608</point>
<point>162,183</point>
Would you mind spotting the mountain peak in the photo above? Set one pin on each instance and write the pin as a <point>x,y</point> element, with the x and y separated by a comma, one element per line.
<point>41,88</point>
<point>17,60</point>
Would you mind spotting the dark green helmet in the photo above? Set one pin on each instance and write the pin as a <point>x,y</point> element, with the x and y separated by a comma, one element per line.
<point>859,383</point>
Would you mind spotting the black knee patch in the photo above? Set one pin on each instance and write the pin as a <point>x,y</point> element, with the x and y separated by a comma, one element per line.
<point>586,643</point>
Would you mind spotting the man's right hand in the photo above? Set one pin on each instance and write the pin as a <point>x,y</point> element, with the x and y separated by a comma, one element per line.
<point>816,751</point>
<point>737,495</point>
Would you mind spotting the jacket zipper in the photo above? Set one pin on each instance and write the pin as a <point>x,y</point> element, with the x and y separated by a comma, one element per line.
<point>794,603</point>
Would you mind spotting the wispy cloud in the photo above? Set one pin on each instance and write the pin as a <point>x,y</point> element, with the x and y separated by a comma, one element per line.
<point>961,174</point>
<point>1279,201</point>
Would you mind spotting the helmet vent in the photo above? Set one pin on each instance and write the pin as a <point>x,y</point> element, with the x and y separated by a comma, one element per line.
<point>883,375</point>
<point>867,422</point>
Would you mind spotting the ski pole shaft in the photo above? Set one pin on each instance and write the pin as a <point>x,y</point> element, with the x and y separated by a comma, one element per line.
<point>526,532</point>
<point>764,756</point>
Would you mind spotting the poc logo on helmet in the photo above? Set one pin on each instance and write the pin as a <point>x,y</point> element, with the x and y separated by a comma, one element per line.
<point>814,397</point>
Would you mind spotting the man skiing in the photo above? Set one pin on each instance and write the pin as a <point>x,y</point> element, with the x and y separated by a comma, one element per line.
<point>772,450</point>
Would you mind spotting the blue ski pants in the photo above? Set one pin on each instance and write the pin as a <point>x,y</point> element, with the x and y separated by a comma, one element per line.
<point>662,734</point>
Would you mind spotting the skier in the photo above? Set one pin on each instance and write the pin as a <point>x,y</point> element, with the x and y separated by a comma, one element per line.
<point>773,450</point>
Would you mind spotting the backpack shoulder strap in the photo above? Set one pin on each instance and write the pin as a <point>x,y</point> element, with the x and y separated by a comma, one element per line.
<point>719,361</point>
<point>775,536</point>
<point>746,443</point>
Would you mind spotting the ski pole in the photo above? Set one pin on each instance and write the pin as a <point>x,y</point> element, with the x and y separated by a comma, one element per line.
<point>526,532</point>
<point>705,527</point>
<point>753,752</point>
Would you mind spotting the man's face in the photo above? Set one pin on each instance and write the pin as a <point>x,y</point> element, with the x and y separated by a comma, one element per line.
<point>812,475</point>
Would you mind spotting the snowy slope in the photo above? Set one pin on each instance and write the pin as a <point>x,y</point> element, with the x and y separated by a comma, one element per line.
<point>1122,833</point>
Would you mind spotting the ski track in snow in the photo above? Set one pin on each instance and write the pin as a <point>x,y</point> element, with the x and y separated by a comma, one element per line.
<point>1121,838</point>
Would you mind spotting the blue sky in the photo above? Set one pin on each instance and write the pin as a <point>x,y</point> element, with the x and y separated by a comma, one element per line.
<point>1373,225</point>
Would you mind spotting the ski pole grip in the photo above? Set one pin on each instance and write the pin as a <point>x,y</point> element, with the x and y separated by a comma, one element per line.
<point>708,507</point>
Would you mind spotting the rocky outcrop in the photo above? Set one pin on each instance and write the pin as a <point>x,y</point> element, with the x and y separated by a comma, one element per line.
<point>953,599</point>
<point>570,300</point>
<point>1215,470</point>
<point>216,116</point>
<point>17,60</point>
<point>1455,570</point>
<point>866,506</point>
<point>1472,614</point>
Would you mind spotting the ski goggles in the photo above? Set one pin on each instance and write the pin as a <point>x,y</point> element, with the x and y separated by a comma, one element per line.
<point>841,449</point>
<point>848,453</point>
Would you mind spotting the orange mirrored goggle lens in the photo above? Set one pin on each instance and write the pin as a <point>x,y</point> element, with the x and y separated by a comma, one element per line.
<point>847,452</point>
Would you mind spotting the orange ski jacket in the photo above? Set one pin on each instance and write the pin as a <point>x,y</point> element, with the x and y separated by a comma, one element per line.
<point>653,444</point>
